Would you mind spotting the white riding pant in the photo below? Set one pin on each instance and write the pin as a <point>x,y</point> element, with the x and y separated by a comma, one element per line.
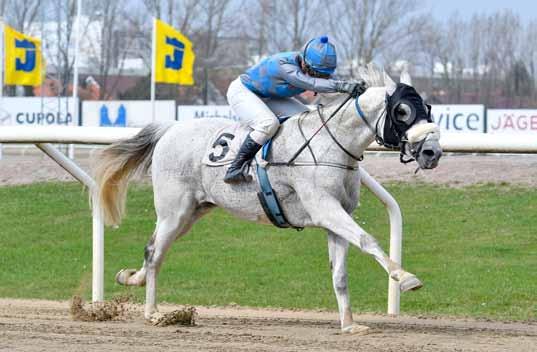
<point>255,112</point>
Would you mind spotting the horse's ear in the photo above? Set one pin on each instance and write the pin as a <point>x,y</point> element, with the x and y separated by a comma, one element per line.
<point>405,78</point>
<point>389,83</point>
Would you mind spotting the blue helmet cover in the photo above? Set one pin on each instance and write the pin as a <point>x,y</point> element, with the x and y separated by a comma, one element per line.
<point>321,55</point>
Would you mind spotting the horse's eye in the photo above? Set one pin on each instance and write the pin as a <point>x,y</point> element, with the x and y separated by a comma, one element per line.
<point>403,112</point>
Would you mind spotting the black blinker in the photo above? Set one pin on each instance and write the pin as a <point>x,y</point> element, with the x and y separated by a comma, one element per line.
<point>394,130</point>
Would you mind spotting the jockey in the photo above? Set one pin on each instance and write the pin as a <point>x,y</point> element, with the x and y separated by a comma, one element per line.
<point>283,75</point>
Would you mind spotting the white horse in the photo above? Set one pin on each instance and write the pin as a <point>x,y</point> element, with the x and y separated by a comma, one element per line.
<point>323,196</point>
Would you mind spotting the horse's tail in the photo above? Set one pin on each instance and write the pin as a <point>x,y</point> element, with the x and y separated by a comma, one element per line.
<point>117,163</point>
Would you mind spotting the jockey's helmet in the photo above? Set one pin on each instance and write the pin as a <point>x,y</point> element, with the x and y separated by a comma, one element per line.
<point>320,56</point>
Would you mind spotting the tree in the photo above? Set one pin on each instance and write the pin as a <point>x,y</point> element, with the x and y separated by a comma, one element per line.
<point>370,29</point>
<point>20,13</point>
<point>214,14</point>
<point>114,43</point>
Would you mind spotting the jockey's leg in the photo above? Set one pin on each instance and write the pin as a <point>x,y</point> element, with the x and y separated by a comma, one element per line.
<point>253,111</point>
<point>286,106</point>
<point>237,171</point>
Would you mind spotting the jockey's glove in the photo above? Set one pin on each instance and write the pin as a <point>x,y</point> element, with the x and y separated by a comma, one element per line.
<point>354,88</point>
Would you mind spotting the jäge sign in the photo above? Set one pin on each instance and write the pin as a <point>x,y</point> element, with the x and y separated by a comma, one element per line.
<point>459,118</point>
<point>512,121</point>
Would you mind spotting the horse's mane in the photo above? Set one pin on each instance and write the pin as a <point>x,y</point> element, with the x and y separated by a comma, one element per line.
<point>373,75</point>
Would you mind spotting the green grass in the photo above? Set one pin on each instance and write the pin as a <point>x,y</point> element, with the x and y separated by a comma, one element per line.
<point>474,248</point>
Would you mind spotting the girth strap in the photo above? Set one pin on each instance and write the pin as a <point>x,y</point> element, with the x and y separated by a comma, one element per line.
<point>269,201</point>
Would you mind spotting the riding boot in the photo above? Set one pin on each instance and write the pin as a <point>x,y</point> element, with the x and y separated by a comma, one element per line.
<point>236,171</point>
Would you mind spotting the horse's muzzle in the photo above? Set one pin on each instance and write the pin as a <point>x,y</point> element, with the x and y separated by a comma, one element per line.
<point>429,154</point>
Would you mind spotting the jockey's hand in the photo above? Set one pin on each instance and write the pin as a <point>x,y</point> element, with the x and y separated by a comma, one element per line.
<point>354,88</point>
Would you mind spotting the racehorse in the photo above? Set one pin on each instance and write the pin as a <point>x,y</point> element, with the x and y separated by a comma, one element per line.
<point>319,189</point>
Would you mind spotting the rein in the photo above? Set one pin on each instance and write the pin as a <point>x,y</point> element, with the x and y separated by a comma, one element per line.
<point>360,112</point>
<point>334,138</point>
<point>308,141</point>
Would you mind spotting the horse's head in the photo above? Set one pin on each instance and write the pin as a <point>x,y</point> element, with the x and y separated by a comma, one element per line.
<point>405,124</point>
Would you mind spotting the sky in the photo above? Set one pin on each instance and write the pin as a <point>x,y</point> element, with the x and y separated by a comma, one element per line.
<point>527,9</point>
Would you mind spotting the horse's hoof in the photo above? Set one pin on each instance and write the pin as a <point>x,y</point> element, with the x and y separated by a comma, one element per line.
<point>123,275</point>
<point>409,282</point>
<point>356,329</point>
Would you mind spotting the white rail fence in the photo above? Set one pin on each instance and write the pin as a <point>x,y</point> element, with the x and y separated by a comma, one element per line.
<point>43,136</point>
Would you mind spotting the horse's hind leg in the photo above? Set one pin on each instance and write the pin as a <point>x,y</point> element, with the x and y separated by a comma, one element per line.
<point>170,225</point>
<point>133,277</point>
<point>168,229</point>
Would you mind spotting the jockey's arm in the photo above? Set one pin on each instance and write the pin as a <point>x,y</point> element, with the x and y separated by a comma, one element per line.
<point>293,75</point>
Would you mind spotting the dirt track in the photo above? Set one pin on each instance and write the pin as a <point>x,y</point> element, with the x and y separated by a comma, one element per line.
<point>46,326</point>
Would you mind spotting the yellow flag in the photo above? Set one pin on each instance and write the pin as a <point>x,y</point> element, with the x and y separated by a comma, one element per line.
<point>174,57</point>
<point>23,59</point>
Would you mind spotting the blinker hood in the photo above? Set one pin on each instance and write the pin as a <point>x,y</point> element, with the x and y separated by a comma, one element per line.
<point>394,128</point>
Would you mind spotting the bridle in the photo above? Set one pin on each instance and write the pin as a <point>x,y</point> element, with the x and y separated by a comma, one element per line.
<point>402,138</point>
<point>403,108</point>
<point>388,113</point>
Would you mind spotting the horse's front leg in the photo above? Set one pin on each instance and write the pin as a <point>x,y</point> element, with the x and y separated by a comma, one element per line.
<point>337,252</point>
<point>338,221</point>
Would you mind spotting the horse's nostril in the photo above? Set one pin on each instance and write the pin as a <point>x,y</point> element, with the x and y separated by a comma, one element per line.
<point>428,153</point>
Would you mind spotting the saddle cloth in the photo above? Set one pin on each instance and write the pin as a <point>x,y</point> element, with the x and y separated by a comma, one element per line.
<point>225,144</point>
<point>223,147</point>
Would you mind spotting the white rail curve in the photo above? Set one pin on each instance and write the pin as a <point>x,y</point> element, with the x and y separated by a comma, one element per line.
<point>450,142</point>
<point>42,136</point>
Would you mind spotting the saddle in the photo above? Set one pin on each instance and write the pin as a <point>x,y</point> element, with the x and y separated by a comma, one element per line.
<point>222,151</point>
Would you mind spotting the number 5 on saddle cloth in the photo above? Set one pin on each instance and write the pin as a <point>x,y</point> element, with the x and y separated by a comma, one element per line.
<point>226,142</point>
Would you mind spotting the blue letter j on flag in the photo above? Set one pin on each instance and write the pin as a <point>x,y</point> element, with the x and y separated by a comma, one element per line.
<point>175,62</point>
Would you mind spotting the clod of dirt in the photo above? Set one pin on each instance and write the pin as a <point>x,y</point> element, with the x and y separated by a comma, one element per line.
<point>99,311</point>
<point>186,316</point>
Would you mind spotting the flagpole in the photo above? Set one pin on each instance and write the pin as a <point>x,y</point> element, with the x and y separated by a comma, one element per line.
<point>75,72</point>
<point>153,67</point>
<point>2,57</point>
<point>1,71</point>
